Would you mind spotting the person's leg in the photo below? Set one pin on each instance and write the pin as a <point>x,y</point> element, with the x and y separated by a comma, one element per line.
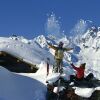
<point>72,78</point>
<point>61,66</point>
<point>56,66</point>
<point>89,77</point>
<point>79,79</point>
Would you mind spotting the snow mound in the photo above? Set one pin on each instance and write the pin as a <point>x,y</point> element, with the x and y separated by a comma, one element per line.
<point>53,77</point>
<point>18,87</point>
<point>84,92</point>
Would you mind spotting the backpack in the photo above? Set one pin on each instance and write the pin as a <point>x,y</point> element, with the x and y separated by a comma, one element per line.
<point>59,54</point>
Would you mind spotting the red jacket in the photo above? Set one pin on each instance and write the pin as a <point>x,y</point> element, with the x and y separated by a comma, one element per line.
<point>80,72</point>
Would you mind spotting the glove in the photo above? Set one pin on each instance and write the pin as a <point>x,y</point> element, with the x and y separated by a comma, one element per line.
<point>48,43</point>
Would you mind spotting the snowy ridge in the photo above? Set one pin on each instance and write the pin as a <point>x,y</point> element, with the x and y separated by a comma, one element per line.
<point>41,40</point>
<point>23,50</point>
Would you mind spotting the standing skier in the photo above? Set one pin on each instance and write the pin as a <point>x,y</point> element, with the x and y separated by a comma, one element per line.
<point>59,54</point>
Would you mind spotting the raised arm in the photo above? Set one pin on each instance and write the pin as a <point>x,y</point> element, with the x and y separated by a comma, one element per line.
<point>51,46</point>
<point>68,49</point>
<point>74,66</point>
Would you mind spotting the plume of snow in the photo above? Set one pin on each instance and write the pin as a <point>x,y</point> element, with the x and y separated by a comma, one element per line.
<point>80,27</point>
<point>52,27</point>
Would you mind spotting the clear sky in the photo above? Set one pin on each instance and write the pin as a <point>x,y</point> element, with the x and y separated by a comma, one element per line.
<point>27,17</point>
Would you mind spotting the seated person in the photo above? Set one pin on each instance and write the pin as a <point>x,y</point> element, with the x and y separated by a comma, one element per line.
<point>80,73</point>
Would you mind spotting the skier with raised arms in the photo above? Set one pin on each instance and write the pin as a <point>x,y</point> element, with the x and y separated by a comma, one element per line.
<point>59,54</point>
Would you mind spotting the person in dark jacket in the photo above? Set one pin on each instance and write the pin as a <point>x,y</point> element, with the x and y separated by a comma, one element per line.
<point>59,54</point>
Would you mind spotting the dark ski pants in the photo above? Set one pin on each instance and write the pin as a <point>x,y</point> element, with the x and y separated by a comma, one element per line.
<point>74,78</point>
<point>87,78</point>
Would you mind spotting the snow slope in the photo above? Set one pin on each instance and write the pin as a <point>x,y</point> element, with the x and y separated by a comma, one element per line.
<point>18,87</point>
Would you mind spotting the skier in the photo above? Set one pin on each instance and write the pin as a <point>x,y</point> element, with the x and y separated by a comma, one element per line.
<point>59,54</point>
<point>80,74</point>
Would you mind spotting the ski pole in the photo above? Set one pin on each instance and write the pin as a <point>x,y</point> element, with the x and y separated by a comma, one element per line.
<point>48,61</point>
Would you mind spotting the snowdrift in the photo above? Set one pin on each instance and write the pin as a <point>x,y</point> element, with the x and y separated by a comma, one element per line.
<point>18,87</point>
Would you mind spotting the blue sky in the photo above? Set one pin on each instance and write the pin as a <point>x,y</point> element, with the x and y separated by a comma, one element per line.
<point>28,17</point>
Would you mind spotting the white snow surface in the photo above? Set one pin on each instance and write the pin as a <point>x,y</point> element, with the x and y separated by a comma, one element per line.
<point>32,86</point>
<point>84,92</point>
